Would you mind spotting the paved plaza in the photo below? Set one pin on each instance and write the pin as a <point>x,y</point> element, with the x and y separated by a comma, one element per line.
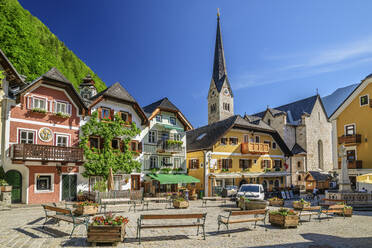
<point>21,227</point>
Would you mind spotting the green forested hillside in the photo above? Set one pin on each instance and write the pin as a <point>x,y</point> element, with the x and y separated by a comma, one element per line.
<point>33,49</point>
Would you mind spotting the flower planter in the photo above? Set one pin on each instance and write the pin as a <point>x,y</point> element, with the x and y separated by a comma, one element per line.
<point>6,188</point>
<point>86,210</point>
<point>106,234</point>
<point>300,205</point>
<point>283,221</point>
<point>81,198</point>
<point>252,204</point>
<point>347,211</point>
<point>276,203</point>
<point>180,204</point>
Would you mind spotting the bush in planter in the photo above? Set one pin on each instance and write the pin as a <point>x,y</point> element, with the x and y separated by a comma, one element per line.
<point>180,202</point>
<point>300,204</point>
<point>276,201</point>
<point>39,110</point>
<point>284,218</point>
<point>62,115</point>
<point>283,212</point>
<point>165,170</point>
<point>86,207</point>
<point>4,186</point>
<point>3,182</point>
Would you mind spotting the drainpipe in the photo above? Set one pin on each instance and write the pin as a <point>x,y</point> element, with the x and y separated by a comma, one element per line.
<point>207,155</point>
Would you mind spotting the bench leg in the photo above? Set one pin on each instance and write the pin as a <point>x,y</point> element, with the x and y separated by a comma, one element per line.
<point>219,226</point>
<point>139,235</point>
<point>46,219</point>
<point>197,232</point>
<point>73,228</point>
<point>255,224</point>
<point>204,231</point>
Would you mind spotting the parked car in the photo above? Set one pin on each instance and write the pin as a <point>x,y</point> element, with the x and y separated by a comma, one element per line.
<point>251,192</point>
<point>230,191</point>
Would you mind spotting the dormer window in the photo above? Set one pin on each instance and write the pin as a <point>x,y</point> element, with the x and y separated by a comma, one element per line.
<point>124,116</point>
<point>159,118</point>
<point>38,103</point>
<point>364,100</point>
<point>269,122</point>
<point>172,120</point>
<point>61,107</point>
<point>105,113</point>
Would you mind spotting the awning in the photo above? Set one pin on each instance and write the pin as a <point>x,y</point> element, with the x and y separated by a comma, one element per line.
<point>366,178</point>
<point>174,178</point>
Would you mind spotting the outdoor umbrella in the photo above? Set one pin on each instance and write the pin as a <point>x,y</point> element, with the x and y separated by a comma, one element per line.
<point>110,181</point>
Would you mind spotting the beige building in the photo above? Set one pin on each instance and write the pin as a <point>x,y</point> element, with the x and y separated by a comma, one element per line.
<point>305,128</point>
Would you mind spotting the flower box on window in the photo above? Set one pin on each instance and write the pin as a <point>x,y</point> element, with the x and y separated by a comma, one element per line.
<point>39,110</point>
<point>63,115</point>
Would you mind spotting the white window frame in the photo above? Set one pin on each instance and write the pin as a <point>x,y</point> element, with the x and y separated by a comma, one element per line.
<point>255,138</point>
<point>177,136</point>
<point>155,136</point>
<point>272,145</point>
<point>160,117</point>
<point>175,121</point>
<point>62,135</point>
<point>51,183</point>
<point>156,159</point>
<point>39,99</point>
<point>234,137</point>
<point>175,164</point>
<point>246,138</point>
<point>351,124</point>
<point>19,130</point>
<point>360,98</point>
<point>60,103</point>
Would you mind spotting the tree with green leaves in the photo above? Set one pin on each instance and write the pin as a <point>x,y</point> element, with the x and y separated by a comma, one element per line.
<point>2,76</point>
<point>99,161</point>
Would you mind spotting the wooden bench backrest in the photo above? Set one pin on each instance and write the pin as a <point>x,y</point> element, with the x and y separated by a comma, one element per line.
<point>171,216</point>
<point>332,200</point>
<point>337,207</point>
<point>248,212</point>
<point>56,209</point>
<point>310,208</point>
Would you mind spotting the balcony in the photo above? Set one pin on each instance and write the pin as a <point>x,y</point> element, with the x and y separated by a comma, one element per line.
<point>165,146</point>
<point>254,148</point>
<point>46,153</point>
<point>350,139</point>
<point>356,164</point>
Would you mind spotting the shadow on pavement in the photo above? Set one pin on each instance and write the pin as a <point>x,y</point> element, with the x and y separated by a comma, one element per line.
<point>156,238</point>
<point>221,232</point>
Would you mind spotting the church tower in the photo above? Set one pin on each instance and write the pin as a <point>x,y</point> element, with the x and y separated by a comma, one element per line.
<point>220,95</point>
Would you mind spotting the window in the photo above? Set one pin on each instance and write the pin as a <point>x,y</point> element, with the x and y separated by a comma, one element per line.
<point>223,141</point>
<point>26,137</point>
<point>93,181</point>
<point>115,144</point>
<point>124,116</point>
<point>267,142</point>
<point>177,163</point>
<point>278,163</point>
<point>177,137</point>
<point>233,141</point>
<point>159,118</point>
<point>299,178</point>
<point>44,182</point>
<point>350,130</point>
<point>246,138</point>
<point>62,140</point>
<point>172,120</point>
<point>266,164</point>
<point>39,103</point>
<point>226,164</point>
<point>364,100</point>
<point>61,107</point>
<point>257,140</point>
<point>194,163</point>
<point>299,164</point>
<point>134,146</point>
<point>105,113</point>
<point>213,108</point>
<point>226,106</point>
<point>117,181</point>
<point>94,142</point>
<point>245,163</point>
<point>152,136</point>
<point>269,122</point>
<point>153,162</point>
<point>274,145</point>
<point>350,155</point>
<point>251,140</point>
<point>166,161</point>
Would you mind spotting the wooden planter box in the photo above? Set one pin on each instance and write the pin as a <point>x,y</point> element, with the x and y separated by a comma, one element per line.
<point>106,234</point>
<point>348,212</point>
<point>276,203</point>
<point>252,204</point>
<point>7,188</point>
<point>86,210</point>
<point>81,198</point>
<point>180,204</point>
<point>300,205</point>
<point>283,221</point>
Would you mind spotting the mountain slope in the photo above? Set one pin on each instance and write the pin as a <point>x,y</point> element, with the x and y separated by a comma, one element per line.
<point>33,49</point>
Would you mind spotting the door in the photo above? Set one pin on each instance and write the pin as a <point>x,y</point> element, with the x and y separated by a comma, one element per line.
<point>135,182</point>
<point>69,187</point>
<point>14,178</point>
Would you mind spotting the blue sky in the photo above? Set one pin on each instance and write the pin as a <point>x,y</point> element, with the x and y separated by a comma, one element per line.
<point>276,51</point>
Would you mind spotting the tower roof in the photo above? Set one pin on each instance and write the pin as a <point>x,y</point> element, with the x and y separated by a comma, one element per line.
<point>219,64</point>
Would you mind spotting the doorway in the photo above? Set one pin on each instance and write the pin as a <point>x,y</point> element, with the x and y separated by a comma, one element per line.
<point>69,187</point>
<point>14,178</point>
<point>135,182</point>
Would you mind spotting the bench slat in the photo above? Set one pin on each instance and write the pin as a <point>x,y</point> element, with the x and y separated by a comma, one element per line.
<point>171,216</point>
<point>248,212</point>
<point>242,221</point>
<point>56,209</point>
<point>168,226</point>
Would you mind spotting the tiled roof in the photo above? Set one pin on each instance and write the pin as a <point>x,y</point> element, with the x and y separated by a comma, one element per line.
<point>162,103</point>
<point>318,176</point>
<point>115,91</point>
<point>297,149</point>
<point>55,75</point>
<point>334,100</point>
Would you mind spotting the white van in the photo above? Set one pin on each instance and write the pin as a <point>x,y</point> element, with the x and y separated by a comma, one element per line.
<point>251,192</point>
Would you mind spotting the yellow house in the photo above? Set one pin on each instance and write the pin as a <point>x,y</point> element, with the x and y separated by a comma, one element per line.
<point>235,151</point>
<point>351,126</point>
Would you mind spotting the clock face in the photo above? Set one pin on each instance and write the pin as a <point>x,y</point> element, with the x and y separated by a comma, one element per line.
<point>226,91</point>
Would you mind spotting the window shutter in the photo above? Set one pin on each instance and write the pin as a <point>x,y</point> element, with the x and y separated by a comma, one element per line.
<point>69,109</point>
<point>268,163</point>
<point>250,163</point>
<point>262,164</point>
<point>129,117</point>
<point>54,107</point>
<point>99,110</point>
<point>230,163</point>
<point>220,164</point>
<point>197,164</point>
<point>112,114</point>
<point>140,147</point>
<point>30,102</point>
<point>190,164</point>
<point>240,163</point>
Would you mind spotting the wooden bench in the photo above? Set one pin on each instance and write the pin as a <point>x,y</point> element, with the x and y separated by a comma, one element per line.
<point>200,222</point>
<point>258,215</point>
<point>332,210</point>
<point>325,202</point>
<point>147,200</point>
<point>63,214</point>
<point>213,198</point>
<point>309,211</point>
<point>119,202</point>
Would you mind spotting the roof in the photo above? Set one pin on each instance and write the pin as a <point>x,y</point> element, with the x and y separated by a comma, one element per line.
<point>115,91</point>
<point>334,100</point>
<point>174,178</point>
<point>318,176</point>
<point>205,137</point>
<point>11,72</point>
<point>297,149</point>
<point>293,110</point>
<point>163,103</point>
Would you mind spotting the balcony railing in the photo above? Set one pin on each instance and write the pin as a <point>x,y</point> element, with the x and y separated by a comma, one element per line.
<point>163,147</point>
<point>46,153</point>
<point>350,139</point>
<point>356,164</point>
<point>254,148</point>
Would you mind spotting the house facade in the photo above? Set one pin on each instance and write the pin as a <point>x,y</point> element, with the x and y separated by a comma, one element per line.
<point>164,144</point>
<point>116,100</point>
<point>43,160</point>
<point>305,128</point>
<point>352,128</point>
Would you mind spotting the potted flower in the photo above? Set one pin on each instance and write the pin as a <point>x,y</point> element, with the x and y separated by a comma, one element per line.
<point>80,196</point>
<point>277,202</point>
<point>284,218</point>
<point>4,186</point>
<point>348,211</point>
<point>86,208</point>
<point>180,202</point>
<point>107,229</point>
<point>39,110</point>
<point>300,204</point>
<point>62,115</point>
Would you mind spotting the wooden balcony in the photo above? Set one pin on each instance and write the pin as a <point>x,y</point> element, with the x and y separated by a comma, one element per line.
<point>350,139</point>
<point>356,164</point>
<point>164,147</point>
<point>46,153</point>
<point>254,148</point>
